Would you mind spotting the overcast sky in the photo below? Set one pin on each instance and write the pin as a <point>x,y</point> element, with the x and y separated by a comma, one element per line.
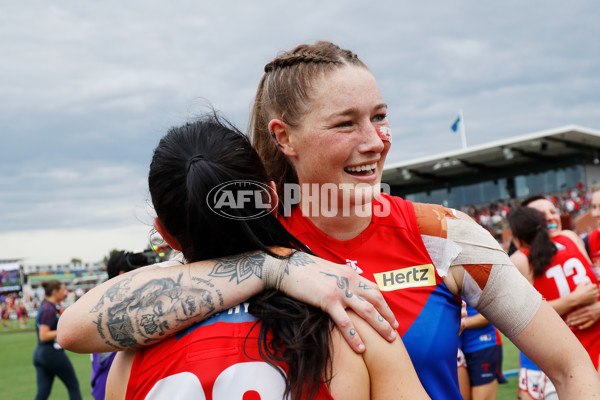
<point>88,88</point>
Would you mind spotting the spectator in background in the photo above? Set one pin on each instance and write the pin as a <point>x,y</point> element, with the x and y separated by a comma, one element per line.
<point>592,240</point>
<point>49,358</point>
<point>5,315</point>
<point>118,263</point>
<point>22,315</point>
<point>481,345</point>
<point>555,262</point>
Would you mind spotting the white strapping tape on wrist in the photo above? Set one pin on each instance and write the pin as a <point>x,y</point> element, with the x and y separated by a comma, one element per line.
<point>273,271</point>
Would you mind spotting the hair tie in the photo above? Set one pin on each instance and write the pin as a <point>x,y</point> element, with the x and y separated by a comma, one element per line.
<point>192,160</point>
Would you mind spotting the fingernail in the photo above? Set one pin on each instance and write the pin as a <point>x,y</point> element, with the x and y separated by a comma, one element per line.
<point>396,324</point>
<point>393,335</point>
<point>361,347</point>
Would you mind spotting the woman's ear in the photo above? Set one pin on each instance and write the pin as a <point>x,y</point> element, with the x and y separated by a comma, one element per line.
<point>281,136</point>
<point>160,228</point>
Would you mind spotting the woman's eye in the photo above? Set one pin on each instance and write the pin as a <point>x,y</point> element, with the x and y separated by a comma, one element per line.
<point>379,117</point>
<point>344,124</point>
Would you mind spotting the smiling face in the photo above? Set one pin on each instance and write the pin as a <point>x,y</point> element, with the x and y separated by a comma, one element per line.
<point>550,213</point>
<point>339,141</point>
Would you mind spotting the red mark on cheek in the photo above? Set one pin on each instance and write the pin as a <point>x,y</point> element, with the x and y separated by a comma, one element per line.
<point>385,133</point>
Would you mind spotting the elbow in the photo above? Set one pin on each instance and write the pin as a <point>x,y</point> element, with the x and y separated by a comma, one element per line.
<point>67,336</point>
<point>578,364</point>
<point>63,337</point>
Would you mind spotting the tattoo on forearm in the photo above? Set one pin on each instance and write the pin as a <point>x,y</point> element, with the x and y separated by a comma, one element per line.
<point>203,281</point>
<point>239,268</point>
<point>115,293</point>
<point>121,330</point>
<point>129,314</point>
<point>145,313</point>
<point>299,259</point>
<point>221,300</point>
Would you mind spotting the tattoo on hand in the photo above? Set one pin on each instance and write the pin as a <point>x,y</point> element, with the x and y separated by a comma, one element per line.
<point>352,332</point>
<point>364,286</point>
<point>343,283</point>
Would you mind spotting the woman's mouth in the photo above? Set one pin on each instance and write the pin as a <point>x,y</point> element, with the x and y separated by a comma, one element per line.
<point>362,170</point>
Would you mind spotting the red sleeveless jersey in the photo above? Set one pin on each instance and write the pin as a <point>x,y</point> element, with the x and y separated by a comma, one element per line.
<point>215,359</point>
<point>594,243</point>
<point>569,268</point>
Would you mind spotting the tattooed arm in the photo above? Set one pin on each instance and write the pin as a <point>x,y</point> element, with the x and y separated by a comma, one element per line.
<point>150,303</point>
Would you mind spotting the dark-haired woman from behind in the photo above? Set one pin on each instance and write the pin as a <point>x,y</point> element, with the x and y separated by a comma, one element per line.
<point>561,271</point>
<point>213,199</point>
<point>49,358</point>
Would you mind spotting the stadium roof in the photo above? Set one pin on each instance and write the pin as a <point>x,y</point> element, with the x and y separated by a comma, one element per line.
<point>534,152</point>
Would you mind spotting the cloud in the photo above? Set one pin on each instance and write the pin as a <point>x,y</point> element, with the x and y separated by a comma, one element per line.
<point>89,88</point>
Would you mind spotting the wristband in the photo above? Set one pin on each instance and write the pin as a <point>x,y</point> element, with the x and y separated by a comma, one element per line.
<point>273,271</point>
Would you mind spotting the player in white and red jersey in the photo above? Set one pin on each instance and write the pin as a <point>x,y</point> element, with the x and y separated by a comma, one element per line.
<point>557,266</point>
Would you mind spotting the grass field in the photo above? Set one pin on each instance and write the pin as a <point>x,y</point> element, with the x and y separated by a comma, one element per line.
<point>17,375</point>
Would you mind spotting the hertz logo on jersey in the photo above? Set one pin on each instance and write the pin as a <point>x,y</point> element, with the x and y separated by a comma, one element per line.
<point>416,276</point>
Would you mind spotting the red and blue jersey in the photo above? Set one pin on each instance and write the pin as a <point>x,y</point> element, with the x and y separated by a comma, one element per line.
<point>569,268</point>
<point>391,252</point>
<point>215,359</point>
<point>593,245</point>
<point>475,339</point>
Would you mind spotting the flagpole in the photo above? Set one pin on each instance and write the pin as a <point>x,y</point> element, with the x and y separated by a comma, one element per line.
<point>463,131</point>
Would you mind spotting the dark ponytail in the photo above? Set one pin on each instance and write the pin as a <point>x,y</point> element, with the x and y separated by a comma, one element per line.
<point>188,163</point>
<point>529,226</point>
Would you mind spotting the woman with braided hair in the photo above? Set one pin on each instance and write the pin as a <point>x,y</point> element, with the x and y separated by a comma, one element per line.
<point>556,264</point>
<point>245,349</point>
<point>319,124</point>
